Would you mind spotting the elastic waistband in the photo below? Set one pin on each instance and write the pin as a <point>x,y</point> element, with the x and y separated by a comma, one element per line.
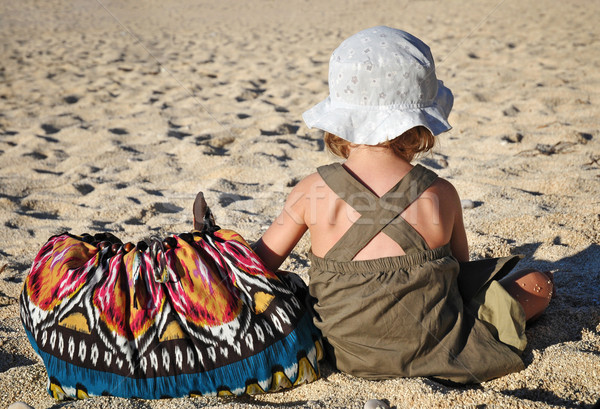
<point>380,264</point>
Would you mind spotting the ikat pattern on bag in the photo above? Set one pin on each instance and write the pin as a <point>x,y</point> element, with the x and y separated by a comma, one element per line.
<point>200,317</point>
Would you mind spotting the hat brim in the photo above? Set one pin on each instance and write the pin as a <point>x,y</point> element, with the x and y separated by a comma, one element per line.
<point>374,125</point>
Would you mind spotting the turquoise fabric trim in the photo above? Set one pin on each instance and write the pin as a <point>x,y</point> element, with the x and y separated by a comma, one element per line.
<point>258,368</point>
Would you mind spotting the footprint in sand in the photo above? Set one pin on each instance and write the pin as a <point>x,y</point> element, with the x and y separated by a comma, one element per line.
<point>47,172</point>
<point>57,123</point>
<point>136,221</point>
<point>282,141</point>
<point>100,225</point>
<point>511,112</point>
<point>215,146</point>
<point>285,129</point>
<point>173,133</point>
<point>249,94</point>
<point>129,149</point>
<point>165,207</point>
<point>440,162</point>
<point>230,192</point>
<point>36,155</point>
<point>48,138</point>
<point>40,215</point>
<point>153,192</point>
<point>226,199</point>
<point>84,188</point>
<point>154,98</point>
<point>71,99</point>
<point>118,131</point>
<point>50,129</point>
<point>10,144</point>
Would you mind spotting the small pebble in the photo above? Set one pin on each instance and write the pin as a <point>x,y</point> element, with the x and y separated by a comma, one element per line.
<point>467,204</point>
<point>20,405</point>
<point>376,404</point>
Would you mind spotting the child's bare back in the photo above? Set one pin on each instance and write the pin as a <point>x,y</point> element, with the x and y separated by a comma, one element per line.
<point>436,215</point>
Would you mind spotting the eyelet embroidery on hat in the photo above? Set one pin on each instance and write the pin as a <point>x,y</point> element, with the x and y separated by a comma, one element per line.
<point>402,94</point>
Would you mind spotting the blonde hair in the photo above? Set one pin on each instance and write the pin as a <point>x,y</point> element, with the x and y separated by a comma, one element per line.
<point>408,145</point>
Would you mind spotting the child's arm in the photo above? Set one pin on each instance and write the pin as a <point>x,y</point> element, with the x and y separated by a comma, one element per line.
<point>458,239</point>
<point>285,232</point>
<point>446,214</point>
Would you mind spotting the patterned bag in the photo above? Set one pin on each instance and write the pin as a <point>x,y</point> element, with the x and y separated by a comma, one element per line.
<point>195,314</point>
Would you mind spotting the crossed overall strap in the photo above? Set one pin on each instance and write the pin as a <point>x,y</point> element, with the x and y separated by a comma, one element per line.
<point>378,214</point>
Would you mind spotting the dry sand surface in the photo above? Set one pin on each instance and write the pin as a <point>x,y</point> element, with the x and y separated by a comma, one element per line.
<point>114,113</point>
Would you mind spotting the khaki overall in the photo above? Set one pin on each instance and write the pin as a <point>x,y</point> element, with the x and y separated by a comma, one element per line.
<point>420,314</point>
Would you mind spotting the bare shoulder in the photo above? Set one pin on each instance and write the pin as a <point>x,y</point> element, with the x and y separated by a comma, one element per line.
<point>444,194</point>
<point>443,188</point>
<point>308,185</point>
<point>310,180</point>
<point>301,194</point>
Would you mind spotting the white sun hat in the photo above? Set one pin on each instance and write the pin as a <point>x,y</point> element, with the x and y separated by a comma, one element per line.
<point>381,83</point>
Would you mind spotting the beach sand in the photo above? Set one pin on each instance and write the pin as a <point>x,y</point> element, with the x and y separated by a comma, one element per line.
<point>114,113</point>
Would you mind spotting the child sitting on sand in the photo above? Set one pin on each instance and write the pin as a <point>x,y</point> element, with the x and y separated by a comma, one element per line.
<point>395,293</point>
